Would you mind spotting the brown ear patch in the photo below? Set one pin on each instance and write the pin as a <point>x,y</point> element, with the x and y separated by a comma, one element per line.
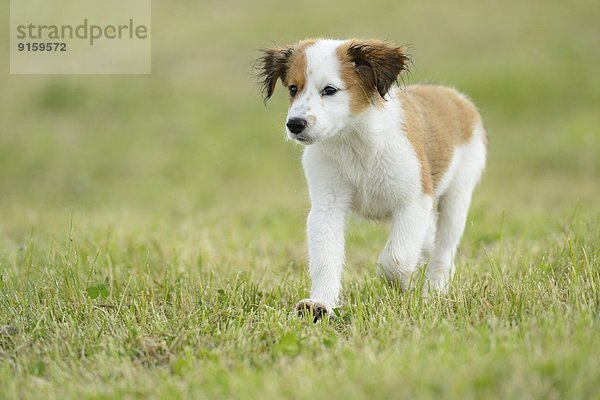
<point>287,64</point>
<point>361,93</point>
<point>377,63</point>
<point>297,74</point>
<point>271,66</point>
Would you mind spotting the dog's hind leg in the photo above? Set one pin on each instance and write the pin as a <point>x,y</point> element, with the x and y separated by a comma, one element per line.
<point>401,255</point>
<point>453,208</point>
<point>429,242</point>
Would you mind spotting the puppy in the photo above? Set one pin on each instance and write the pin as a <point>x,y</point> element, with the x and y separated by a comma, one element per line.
<point>411,156</point>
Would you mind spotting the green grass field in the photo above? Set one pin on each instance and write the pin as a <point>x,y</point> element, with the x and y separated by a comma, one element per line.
<point>152,227</point>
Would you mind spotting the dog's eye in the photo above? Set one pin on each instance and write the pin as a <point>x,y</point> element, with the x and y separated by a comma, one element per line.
<point>329,91</point>
<point>293,90</point>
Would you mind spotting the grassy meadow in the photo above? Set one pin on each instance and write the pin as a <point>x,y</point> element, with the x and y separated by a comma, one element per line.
<point>152,227</point>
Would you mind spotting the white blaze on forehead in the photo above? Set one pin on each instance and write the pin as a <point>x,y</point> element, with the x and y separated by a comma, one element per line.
<point>323,64</point>
<point>325,115</point>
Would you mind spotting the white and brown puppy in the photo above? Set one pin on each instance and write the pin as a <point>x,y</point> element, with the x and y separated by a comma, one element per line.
<point>411,156</point>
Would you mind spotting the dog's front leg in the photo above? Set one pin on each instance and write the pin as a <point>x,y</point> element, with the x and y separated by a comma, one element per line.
<point>330,198</point>
<point>325,229</point>
<point>401,255</point>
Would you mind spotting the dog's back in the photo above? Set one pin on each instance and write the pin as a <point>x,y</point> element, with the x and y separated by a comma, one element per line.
<point>438,119</point>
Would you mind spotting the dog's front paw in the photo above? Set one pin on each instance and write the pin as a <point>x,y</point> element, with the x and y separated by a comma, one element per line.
<point>311,307</point>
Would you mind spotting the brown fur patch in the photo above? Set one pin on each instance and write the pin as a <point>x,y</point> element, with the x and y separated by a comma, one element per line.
<point>271,66</point>
<point>369,68</point>
<point>413,129</point>
<point>287,64</point>
<point>437,119</point>
<point>296,73</point>
<point>361,97</point>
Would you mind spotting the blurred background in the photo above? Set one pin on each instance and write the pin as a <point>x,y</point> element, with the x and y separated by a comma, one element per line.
<point>189,158</point>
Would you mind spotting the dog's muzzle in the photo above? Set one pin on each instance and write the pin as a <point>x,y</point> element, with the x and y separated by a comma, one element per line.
<point>296,125</point>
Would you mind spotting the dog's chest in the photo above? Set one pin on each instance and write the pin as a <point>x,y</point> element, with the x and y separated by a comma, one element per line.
<point>373,196</point>
<point>380,180</point>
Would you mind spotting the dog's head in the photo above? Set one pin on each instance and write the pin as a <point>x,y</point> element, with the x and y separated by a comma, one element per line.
<point>330,82</point>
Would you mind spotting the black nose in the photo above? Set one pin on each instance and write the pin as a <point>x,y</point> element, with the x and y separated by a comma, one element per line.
<point>296,125</point>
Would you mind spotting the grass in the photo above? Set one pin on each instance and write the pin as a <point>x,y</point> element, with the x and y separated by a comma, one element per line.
<point>152,228</point>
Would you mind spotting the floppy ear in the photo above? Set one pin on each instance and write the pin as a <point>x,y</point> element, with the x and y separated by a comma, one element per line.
<point>378,63</point>
<point>272,65</point>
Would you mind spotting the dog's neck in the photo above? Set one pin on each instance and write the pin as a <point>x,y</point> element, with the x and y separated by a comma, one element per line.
<point>365,136</point>
<point>364,133</point>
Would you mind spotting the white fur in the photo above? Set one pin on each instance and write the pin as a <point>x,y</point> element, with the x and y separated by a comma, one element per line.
<point>365,163</point>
